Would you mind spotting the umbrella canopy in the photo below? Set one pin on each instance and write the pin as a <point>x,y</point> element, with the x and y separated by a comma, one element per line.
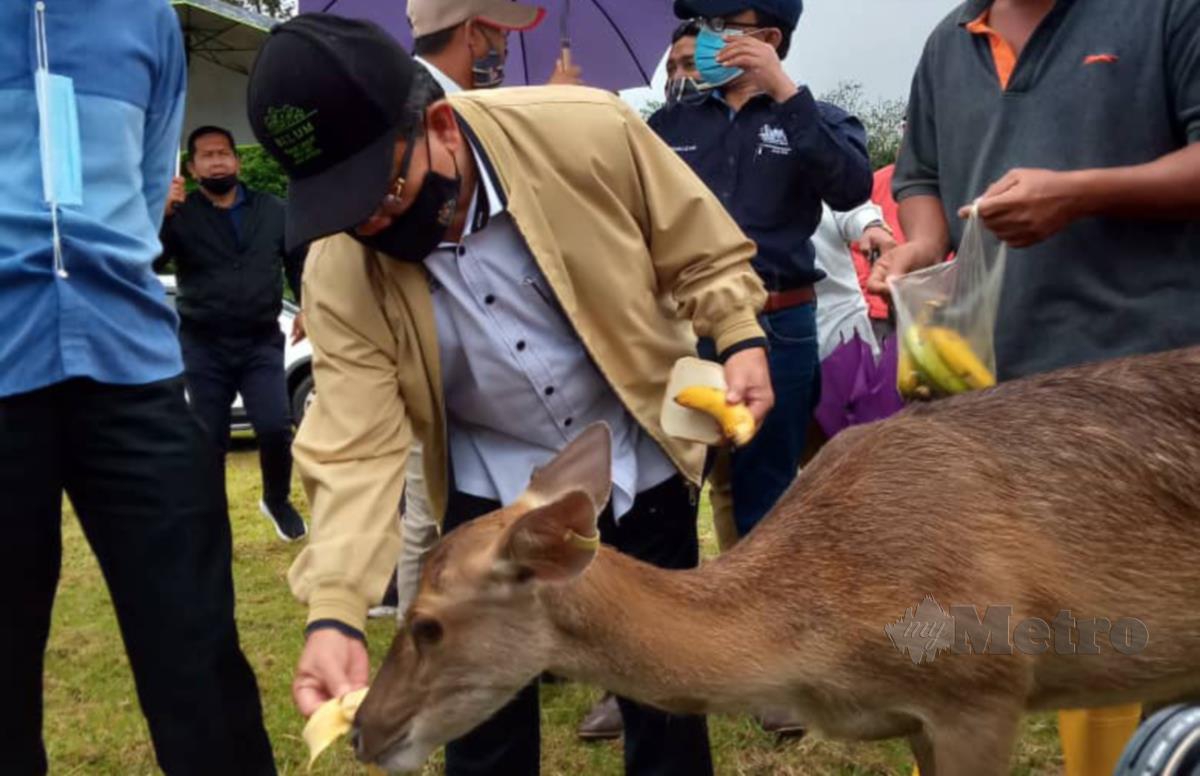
<point>617,43</point>
<point>221,42</point>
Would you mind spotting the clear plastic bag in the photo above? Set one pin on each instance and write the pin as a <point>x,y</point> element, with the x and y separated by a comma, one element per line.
<point>946,319</point>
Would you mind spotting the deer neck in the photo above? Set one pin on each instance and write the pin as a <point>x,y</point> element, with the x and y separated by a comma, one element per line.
<point>694,641</point>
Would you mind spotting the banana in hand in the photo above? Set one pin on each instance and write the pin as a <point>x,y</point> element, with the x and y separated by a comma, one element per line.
<point>737,424</point>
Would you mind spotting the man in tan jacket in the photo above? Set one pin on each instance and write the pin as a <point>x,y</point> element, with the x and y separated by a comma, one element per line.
<point>497,271</point>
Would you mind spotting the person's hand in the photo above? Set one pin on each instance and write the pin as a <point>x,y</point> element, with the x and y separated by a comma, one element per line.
<point>571,75</point>
<point>1027,206</point>
<point>331,665</point>
<point>876,238</point>
<point>298,332</point>
<point>900,260</point>
<point>748,381</point>
<point>760,61</point>
<point>175,195</point>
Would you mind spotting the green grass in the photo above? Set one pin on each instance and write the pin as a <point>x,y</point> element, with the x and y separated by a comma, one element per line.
<point>93,725</point>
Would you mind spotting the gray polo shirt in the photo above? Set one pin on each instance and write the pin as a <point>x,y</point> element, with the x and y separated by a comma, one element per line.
<point>1102,83</point>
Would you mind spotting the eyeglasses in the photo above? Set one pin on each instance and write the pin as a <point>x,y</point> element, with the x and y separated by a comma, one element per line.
<point>720,24</point>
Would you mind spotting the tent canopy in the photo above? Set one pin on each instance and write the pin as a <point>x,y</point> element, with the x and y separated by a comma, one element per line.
<point>222,41</point>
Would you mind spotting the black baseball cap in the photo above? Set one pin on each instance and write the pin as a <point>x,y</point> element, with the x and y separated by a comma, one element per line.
<point>326,99</point>
<point>787,10</point>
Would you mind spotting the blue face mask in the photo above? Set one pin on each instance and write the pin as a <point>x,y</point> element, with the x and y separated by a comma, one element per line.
<point>708,45</point>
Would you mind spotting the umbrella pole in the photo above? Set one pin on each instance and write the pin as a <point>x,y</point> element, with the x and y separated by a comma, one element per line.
<point>564,35</point>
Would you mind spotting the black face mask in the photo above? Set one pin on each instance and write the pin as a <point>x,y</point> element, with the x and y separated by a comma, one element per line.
<point>417,232</point>
<point>685,91</point>
<point>219,185</point>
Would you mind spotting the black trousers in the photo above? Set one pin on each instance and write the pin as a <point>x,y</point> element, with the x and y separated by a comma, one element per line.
<point>216,369</point>
<point>660,529</point>
<point>145,483</point>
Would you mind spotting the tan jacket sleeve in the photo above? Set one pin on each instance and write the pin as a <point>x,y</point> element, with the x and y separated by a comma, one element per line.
<point>700,254</point>
<point>354,441</point>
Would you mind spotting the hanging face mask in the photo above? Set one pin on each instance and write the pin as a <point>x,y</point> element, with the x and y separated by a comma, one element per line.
<point>222,184</point>
<point>708,44</point>
<point>58,137</point>
<point>686,91</point>
<point>487,72</point>
<point>418,231</point>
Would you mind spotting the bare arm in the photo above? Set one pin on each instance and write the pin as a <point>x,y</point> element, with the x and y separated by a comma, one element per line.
<point>1166,188</point>
<point>924,222</point>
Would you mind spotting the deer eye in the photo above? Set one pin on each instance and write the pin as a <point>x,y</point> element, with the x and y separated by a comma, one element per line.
<point>426,631</point>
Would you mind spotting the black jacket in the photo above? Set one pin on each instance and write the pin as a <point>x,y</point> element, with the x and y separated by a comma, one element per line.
<point>228,285</point>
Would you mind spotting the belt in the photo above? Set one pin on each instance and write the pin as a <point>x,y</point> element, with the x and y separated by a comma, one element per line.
<point>795,297</point>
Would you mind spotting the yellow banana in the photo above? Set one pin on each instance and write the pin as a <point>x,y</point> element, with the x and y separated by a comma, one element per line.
<point>907,378</point>
<point>330,722</point>
<point>930,364</point>
<point>736,421</point>
<point>957,354</point>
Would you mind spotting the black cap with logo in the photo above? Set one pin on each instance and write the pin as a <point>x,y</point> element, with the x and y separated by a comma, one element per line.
<point>326,98</point>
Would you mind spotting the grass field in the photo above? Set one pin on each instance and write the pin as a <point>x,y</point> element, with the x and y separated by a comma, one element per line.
<point>93,725</point>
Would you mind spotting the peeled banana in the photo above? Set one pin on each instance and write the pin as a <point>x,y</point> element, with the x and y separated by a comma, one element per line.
<point>956,353</point>
<point>330,722</point>
<point>737,424</point>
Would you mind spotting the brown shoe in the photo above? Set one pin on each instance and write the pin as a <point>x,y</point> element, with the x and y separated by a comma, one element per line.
<point>603,722</point>
<point>781,724</point>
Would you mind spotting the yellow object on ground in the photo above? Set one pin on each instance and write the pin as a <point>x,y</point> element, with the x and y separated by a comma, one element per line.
<point>736,421</point>
<point>330,722</point>
<point>1093,739</point>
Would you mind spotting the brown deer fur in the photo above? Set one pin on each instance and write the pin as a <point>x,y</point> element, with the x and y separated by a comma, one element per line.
<point>1075,490</point>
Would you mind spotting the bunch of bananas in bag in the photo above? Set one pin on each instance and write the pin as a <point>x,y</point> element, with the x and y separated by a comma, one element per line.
<point>935,360</point>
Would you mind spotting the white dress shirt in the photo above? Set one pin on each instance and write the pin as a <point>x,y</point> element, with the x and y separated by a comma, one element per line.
<point>841,309</point>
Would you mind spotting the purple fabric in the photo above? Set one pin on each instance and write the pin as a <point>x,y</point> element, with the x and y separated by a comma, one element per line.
<point>617,43</point>
<point>855,389</point>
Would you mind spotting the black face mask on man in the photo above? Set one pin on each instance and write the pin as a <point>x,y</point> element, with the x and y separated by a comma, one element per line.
<point>219,185</point>
<point>487,72</point>
<point>418,231</point>
<point>686,91</point>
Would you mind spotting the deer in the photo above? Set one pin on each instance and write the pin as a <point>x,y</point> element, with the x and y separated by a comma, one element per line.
<point>1076,491</point>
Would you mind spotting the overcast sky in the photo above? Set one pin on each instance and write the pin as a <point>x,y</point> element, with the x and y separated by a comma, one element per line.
<point>876,42</point>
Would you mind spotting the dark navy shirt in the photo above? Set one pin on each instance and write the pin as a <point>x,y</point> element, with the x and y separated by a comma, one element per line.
<point>771,165</point>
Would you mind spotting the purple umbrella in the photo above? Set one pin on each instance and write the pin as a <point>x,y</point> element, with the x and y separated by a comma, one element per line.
<point>855,388</point>
<point>617,43</point>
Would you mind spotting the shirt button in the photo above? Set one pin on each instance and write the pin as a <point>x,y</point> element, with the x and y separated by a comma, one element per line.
<point>489,299</point>
<point>567,423</point>
<point>521,345</point>
<point>549,390</point>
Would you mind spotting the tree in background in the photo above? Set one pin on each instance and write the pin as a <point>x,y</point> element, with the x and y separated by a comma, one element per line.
<point>884,119</point>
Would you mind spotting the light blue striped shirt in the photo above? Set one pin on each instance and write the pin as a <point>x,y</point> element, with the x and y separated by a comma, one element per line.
<point>519,384</point>
<point>108,319</point>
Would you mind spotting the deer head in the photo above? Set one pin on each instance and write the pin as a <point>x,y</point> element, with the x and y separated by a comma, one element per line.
<point>477,632</point>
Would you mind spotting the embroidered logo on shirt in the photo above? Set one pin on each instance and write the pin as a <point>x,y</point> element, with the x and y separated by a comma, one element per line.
<point>773,139</point>
<point>683,149</point>
<point>1101,59</point>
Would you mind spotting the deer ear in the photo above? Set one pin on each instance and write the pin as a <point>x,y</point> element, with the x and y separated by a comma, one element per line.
<point>583,465</point>
<point>553,542</point>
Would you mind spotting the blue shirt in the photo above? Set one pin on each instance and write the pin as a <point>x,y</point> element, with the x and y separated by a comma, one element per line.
<point>772,165</point>
<point>109,319</point>
<point>519,383</point>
